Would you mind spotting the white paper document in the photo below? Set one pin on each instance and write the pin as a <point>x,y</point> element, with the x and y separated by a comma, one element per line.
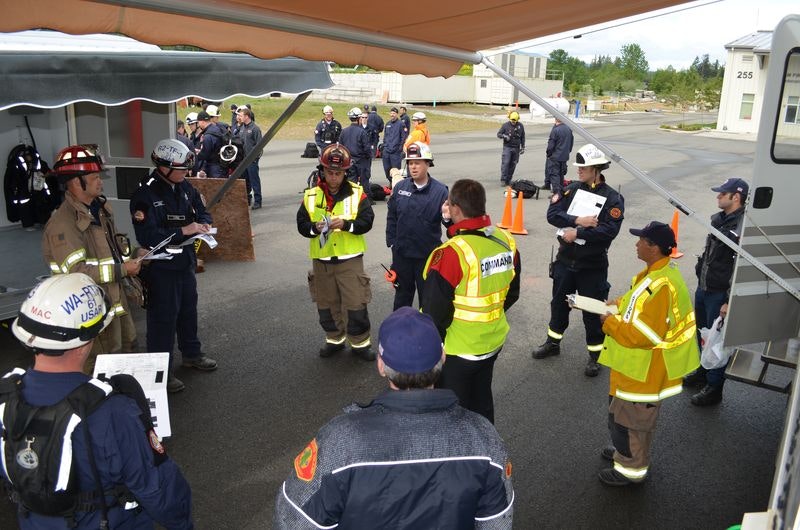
<point>151,371</point>
<point>208,238</point>
<point>591,305</point>
<point>323,235</point>
<point>586,204</point>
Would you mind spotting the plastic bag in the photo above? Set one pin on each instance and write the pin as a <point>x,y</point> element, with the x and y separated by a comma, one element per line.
<point>713,354</point>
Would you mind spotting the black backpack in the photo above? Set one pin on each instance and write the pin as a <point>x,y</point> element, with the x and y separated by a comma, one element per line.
<point>311,151</point>
<point>227,157</point>
<point>34,439</point>
<point>526,187</point>
<point>378,192</point>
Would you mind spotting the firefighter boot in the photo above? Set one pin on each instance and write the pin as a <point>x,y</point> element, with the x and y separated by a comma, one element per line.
<point>550,347</point>
<point>365,353</point>
<point>592,367</point>
<point>331,349</point>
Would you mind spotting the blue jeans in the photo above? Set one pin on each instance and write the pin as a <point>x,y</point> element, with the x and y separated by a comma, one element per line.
<point>254,181</point>
<point>706,309</point>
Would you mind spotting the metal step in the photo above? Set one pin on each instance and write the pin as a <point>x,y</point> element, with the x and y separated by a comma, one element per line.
<point>750,363</point>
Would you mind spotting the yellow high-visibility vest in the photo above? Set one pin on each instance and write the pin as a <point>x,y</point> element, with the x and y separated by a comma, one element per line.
<point>340,242</point>
<point>679,344</point>
<point>479,322</point>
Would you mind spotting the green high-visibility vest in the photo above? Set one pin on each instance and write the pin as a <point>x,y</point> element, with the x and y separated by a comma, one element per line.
<point>679,344</point>
<point>479,323</point>
<point>340,242</point>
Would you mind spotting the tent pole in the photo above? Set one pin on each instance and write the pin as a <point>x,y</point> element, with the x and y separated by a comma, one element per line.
<point>643,177</point>
<point>265,139</point>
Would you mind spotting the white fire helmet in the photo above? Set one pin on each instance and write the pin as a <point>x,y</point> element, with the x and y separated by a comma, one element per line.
<point>354,113</point>
<point>589,155</point>
<point>213,111</point>
<point>191,118</point>
<point>172,154</point>
<point>61,313</point>
<point>419,151</point>
<point>326,109</point>
<point>419,116</point>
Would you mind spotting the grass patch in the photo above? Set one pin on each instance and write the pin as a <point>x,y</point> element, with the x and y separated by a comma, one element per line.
<point>301,125</point>
<point>689,126</point>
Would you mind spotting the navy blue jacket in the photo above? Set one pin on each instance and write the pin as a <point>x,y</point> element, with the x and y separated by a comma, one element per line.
<point>123,455</point>
<point>356,139</point>
<point>158,210</point>
<point>593,254</point>
<point>410,459</point>
<point>394,136</point>
<point>513,134</point>
<point>375,126</point>
<point>327,133</point>
<point>208,157</point>
<point>414,218</point>
<point>559,144</point>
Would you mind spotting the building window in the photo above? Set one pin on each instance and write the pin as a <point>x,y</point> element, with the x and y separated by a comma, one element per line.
<point>483,83</point>
<point>791,115</point>
<point>746,110</point>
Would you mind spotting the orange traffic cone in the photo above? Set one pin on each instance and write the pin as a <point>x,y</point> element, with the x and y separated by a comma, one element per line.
<point>506,221</point>
<point>675,218</point>
<point>517,227</point>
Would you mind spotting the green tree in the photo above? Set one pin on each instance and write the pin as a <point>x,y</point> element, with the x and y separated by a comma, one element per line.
<point>663,80</point>
<point>633,62</point>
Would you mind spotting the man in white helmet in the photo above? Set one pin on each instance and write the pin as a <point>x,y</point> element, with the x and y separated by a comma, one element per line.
<point>166,205</point>
<point>81,236</point>
<point>357,141</point>
<point>193,133</point>
<point>114,471</point>
<point>327,130</point>
<point>582,262</point>
<point>414,223</point>
<point>419,130</point>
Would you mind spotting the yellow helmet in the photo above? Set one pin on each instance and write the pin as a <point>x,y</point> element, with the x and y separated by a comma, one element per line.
<point>513,116</point>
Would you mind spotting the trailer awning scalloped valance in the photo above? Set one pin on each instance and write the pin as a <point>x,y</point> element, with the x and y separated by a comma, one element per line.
<point>53,79</point>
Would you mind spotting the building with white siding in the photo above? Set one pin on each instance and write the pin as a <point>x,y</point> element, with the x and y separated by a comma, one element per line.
<point>743,85</point>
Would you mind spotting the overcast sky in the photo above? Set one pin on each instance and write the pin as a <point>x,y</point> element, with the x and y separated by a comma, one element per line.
<point>675,38</point>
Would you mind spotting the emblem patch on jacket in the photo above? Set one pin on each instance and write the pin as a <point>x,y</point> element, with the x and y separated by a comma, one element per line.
<point>305,465</point>
<point>155,443</point>
<point>616,213</point>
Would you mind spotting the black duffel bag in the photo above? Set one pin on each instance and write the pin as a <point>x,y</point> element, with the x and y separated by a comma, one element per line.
<point>526,187</point>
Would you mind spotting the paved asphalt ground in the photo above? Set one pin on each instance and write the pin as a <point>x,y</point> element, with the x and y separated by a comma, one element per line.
<point>237,430</point>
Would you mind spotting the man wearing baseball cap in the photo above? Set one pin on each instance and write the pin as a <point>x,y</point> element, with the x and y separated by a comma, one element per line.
<point>413,458</point>
<point>649,346</point>
<point>714,272</point>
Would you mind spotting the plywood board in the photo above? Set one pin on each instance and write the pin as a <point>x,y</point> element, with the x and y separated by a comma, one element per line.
<point>231,218</point>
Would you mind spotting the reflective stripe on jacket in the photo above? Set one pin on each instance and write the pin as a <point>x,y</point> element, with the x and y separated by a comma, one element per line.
<point>650,345</point>
<point>479,323</point>
<point>340,242</point>
<point>74,242</point>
